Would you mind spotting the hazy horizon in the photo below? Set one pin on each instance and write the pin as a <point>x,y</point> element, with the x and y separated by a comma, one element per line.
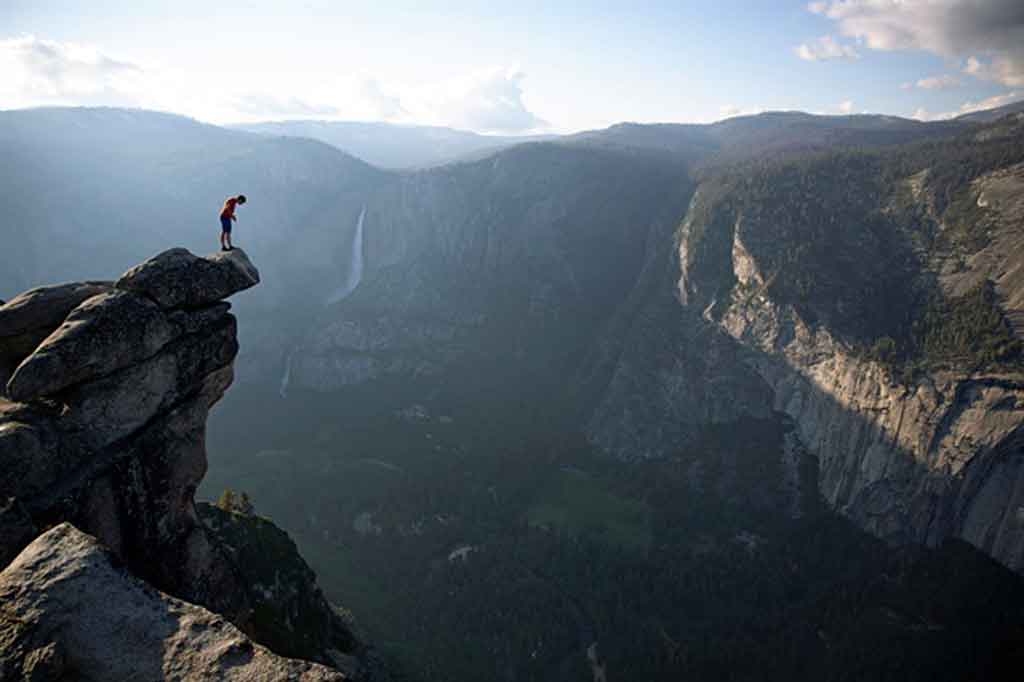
<point>527,69</point>
<point>413,125</point>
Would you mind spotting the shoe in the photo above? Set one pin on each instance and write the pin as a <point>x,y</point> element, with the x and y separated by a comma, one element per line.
<point>224,248</point>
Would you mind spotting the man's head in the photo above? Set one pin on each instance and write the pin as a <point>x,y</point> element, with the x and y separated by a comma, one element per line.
<point>241,198</point>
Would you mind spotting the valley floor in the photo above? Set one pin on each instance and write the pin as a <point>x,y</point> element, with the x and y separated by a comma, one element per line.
<point>471,550</point>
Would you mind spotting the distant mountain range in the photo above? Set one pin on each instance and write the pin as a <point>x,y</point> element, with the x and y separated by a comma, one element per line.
<point>406,147</point>
<point>387,145</point>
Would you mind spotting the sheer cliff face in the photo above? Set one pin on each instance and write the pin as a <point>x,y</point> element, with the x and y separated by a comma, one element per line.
<point>102,426</point>
<point>912,457</point>
<point>103,419</point>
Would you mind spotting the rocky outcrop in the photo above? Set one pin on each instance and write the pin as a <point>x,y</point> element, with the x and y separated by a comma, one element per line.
<point>103,427</point>
<point>102,423</point>
<point>72,611</point>
<point>179,279</point>
<point>289,610</point>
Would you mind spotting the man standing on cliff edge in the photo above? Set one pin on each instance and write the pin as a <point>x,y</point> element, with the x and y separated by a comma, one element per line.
<point>227,214</point>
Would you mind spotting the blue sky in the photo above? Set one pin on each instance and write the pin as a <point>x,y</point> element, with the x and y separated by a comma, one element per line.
<point>530,66</point>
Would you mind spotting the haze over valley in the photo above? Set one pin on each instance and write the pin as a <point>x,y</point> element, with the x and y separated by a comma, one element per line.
<point>485,392</point>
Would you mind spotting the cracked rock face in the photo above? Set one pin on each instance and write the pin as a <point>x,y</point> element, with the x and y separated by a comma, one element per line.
<point>113,626</point>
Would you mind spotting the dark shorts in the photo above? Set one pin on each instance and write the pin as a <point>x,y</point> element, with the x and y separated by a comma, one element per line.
<point>225,224</point>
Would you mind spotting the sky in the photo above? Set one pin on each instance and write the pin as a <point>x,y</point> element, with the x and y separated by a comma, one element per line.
<point>515,67</point>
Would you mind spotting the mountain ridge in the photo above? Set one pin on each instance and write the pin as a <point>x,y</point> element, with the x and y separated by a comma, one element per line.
<point>393,146</point>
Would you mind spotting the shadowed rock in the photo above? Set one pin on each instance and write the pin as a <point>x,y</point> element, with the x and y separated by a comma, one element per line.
<point>16,529</point>
<point>179,279</point>
<point>72,611</point>
<point>42,310</point>
<point>297,620</point>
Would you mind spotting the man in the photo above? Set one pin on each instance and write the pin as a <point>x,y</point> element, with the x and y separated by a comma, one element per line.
<point>227,214</point>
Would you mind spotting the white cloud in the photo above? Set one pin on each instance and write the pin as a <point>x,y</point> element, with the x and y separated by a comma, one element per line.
<point>386,106</point>
<point>488,100</point>
<point>44,72</point>
<point>351,97</point>
<point>1005,70</point>
<point>943,82</point>
<point>47,72</point>
<point>846,107</point>
<point>959,29</point>
<point>922,114</point>
<point>732,111</point>
<point>826,47</point>
<point>970,107</point>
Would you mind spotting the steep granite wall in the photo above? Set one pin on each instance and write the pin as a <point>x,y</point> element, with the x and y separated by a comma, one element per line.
<point>912,458</point>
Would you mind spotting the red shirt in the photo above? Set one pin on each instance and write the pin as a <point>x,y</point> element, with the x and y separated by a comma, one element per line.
<point>229,208</point>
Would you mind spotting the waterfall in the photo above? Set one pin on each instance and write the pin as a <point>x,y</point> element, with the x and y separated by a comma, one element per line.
<point>287,378</point>
<point>355,270</point>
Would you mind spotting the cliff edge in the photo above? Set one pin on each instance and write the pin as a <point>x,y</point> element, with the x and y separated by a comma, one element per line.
<point>106,391</point>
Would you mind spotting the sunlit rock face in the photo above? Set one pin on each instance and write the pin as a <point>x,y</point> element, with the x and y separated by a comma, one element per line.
<point>911,458</point>
<point>114,626</point>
